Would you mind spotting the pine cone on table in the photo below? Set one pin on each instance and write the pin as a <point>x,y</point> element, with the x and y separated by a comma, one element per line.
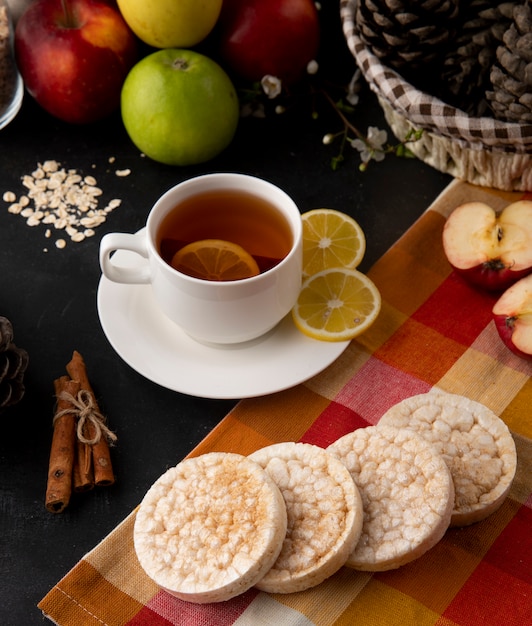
<point>410,37</point>
<point>467,65</point>
<point>13,364</point>
<point>510,96</point>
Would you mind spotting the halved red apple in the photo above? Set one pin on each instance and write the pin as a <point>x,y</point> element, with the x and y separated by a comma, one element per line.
<point>512,314</point>
<point>490,249</point>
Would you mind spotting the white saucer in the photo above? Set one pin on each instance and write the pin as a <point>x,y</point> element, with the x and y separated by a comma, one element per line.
<point>159,350</point>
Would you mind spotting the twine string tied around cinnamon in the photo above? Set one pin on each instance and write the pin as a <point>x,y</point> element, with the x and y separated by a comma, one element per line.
<point>85,410</point>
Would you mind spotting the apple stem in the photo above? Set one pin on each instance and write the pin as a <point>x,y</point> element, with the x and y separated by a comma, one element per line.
<point>70,22</point>
<point>180,64</point>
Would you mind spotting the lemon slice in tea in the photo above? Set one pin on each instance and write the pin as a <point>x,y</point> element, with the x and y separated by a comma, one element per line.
<point>336,305</point>
<point>215,259</point>
<point>331,239</point>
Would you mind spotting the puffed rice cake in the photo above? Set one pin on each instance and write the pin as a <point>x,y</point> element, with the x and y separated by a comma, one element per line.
<point>407,494</point>
<point>211,527</point>
<point>324,511</point>
<point>475,443</point>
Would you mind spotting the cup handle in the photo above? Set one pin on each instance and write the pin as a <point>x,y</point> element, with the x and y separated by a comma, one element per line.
<point>120,274</point>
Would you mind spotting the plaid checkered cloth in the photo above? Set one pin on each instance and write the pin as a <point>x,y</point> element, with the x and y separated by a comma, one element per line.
<point>433,331</point>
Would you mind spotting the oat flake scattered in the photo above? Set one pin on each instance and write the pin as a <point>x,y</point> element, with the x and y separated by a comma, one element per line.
<point>64,198</point>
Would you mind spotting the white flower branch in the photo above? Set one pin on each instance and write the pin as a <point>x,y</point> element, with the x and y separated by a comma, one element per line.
<point>371,146</point>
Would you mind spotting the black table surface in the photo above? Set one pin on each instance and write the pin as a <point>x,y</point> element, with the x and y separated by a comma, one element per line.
<point>49,294</point>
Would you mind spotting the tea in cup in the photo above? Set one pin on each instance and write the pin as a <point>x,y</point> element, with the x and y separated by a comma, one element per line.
<point>235,212</point>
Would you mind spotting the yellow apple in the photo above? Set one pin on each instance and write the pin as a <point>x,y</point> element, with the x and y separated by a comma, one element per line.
<point>171,24</point>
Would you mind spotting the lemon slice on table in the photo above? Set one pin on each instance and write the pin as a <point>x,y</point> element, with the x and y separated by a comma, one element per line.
<point>331,239</point>
<point>215,259</point>
<point>336,305</point>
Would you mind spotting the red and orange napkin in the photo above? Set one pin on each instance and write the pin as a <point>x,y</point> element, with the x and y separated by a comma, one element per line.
<point>433,330</point>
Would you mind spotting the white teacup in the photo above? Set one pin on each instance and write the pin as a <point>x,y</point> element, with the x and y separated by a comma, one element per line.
<point>220,312</point>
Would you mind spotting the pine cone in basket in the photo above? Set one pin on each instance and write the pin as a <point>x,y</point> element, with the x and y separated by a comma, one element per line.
<point>13,364</point>
<point>467,65</point>
<point>410,37</point>
<point>510,97</point>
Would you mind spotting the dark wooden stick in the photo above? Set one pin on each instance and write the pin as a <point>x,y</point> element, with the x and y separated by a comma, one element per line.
<point>62,451</point>
<point>101,456</point>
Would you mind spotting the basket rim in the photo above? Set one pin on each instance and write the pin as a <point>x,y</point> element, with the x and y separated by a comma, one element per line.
<point>428,112</point>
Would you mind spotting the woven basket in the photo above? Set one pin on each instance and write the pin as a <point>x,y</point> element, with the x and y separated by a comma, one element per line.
<point>483,151</point>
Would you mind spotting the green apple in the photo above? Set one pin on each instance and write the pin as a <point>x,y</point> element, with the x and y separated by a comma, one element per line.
<point>179,107</point>
<point>171,24</point>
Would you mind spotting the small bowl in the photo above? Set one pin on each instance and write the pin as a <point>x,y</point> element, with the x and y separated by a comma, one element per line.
<point>480,150</point>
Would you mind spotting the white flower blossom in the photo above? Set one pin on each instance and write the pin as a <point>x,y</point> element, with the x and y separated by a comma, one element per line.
<point>377,137</point>
<point>327,139</point>
<point>312,67</point>
<point>271,85</point>
<point>373,146</point>
<point>363,148</point>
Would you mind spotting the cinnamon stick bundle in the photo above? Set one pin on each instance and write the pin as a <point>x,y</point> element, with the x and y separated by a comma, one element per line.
<point>62,451</point>
<point>79,455</point>
<point>101,457</point>
<point>83,475</point>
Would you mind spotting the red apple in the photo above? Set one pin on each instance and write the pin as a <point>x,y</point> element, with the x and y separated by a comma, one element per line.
<point>490,249</point>
<point>74,56</point>
<point>275,37</point>
<point>512,314</point>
